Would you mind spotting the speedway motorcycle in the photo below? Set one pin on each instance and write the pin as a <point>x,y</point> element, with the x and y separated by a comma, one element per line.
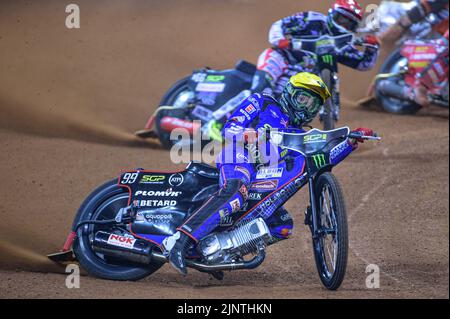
<point>413,54</point>
<point>121,228</point>
<point>208,96</point>
<point>205,100</point>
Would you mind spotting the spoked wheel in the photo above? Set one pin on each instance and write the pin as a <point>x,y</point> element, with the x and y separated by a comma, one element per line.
<point>102,204</point>
<point>331,246</point>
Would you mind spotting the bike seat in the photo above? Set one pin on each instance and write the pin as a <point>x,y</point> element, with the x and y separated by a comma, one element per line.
<point>246,67</point>
<point>203,169</point>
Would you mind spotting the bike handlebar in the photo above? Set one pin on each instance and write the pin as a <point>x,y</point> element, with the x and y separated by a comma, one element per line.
<point>358,135</point>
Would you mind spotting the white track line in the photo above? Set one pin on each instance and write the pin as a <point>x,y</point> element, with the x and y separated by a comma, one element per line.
<point>363,202</point>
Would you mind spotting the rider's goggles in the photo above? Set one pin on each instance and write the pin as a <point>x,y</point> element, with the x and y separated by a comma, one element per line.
<point>306,101</point>
<point>345,21</point>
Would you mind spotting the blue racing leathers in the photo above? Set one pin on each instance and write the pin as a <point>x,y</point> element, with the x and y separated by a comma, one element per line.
<point>277,64</point>
<point>241,163</point>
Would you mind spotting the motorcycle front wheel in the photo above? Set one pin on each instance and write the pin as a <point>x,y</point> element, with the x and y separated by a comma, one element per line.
<point>331,245</point>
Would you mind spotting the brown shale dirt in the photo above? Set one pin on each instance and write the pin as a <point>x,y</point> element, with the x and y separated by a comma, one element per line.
<point>70,100</point>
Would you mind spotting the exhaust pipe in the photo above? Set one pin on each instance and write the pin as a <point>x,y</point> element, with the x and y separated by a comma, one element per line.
<point>142,252</point>
<point>134,250</point>
<point>392,89</point>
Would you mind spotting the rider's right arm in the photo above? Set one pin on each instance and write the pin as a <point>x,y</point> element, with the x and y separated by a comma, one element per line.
<point>277,37</point>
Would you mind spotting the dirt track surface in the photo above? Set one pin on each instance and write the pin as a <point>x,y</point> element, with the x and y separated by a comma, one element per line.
<point>69,100</point>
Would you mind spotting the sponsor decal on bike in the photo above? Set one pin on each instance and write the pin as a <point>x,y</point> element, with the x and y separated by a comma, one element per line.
<point>162,218</point>
<point>215,78</point>
<point>198,77</point>
<point>210,87</point>
<point>235,205</point>
<point>202,112</point>
<point>176,180</point>
<point>121,241</point>
<point>255,196</point>
<point>166,193</point>
<point>157,203</point>
<point>314,138</point>
<point>173,121</point>
<point>328,59</point>
<point>265,185</point>
<point>225,218</point>
<point>319,160</point>
<point>423,56</point>
<point>269,172</point>
<point>337,150</point>
<point>268,206</point>
<point>152,179</point>
<point>224,212</point>
<point>243,170</point>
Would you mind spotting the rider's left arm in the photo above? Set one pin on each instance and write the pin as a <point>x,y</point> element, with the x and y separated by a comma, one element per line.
<point>359,60</point>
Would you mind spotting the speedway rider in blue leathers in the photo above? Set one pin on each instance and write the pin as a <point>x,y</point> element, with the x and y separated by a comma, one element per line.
<point>277,64</point>
<point>300,102</point>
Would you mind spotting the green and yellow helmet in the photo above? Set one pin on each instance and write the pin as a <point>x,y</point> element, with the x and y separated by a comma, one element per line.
<point>303,96</point>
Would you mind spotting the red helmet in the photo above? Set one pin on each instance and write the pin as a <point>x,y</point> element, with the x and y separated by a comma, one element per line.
<point>346,15</point>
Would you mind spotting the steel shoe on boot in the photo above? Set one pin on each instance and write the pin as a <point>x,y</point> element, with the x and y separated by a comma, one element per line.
<point>178,252</point>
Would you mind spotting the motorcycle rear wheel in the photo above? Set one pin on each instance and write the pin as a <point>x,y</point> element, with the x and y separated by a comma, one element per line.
<point>392,105</point>
<point>332,222</point>
<point>103,203</point>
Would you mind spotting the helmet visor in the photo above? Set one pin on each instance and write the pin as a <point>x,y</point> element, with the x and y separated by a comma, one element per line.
<point>305,100</point>
<point>306,105</point>
<point>345,21</point>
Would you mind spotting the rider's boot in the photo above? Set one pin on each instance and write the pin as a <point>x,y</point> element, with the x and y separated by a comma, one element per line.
<point>177,254</point>
<point>280,225</point>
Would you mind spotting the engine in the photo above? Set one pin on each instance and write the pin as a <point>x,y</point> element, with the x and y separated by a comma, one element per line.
<point>231,245</point>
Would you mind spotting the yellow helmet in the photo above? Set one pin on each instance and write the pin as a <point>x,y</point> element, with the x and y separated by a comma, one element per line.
<point>311,82</point>
<point>303,96</point>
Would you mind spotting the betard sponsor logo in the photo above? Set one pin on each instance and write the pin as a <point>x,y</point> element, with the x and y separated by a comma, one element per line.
<point>157,203</point>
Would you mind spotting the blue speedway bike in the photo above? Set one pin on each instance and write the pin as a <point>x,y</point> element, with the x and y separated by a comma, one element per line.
<point>120,228</point>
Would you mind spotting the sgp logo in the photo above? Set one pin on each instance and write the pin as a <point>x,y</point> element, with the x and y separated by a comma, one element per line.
<point>152,178</point>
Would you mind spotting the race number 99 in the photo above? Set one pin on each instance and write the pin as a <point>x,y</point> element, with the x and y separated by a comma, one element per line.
<point>129,178</point>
